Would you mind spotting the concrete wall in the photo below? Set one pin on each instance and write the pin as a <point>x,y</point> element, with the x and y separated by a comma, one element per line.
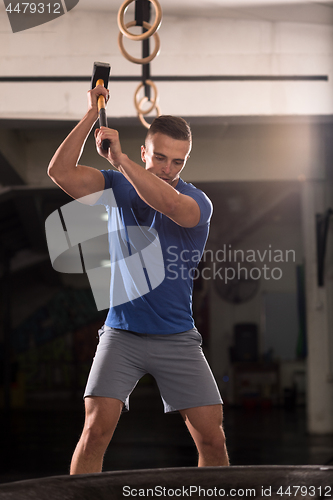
<point>190,46</point>
<point>229,151</point>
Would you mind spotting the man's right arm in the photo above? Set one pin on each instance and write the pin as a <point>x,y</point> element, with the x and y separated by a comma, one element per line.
<point>77,180</point>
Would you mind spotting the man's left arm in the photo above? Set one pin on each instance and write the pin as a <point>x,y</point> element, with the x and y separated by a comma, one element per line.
<point>157,193</point>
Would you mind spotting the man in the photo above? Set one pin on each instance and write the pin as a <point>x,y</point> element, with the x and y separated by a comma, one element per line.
<point>154,333</point>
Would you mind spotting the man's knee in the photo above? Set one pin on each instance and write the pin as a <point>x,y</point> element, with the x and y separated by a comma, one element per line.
<point>212,450</point>
<point>99,426</point>
<point>95,437</point>
<point>102,416</point>
<point>214,440</point>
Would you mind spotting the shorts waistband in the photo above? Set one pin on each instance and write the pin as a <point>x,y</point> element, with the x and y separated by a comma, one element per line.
<point>139,334</point>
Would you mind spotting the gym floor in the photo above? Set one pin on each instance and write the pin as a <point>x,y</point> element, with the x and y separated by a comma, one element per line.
<point>39,442</point>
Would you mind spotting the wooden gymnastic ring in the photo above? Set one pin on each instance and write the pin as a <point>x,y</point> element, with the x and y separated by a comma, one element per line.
<point>143,121</point>
<point>147,34</point>
<point>142,112</point>
<point>143,60</point>
<point>153,101</point>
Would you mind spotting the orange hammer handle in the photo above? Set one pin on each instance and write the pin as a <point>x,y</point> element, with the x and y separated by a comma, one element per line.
<point>101,99</point>
<point>102,115</point>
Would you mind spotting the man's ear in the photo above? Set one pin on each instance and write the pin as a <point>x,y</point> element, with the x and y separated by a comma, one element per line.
<point>143,154</point>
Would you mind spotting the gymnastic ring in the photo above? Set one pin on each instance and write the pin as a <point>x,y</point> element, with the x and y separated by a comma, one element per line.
<point>144,60</point>
<point>147,34</point>
<point>142,112</point>
<point>153,101</point>
<point>143,121</point>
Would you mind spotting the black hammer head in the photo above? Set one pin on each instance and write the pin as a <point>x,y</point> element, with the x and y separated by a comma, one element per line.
<point>100,71</point>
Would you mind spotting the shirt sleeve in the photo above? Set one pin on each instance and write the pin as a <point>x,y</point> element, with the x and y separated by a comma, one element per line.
<point>205,205</point>
<point>108,177</point>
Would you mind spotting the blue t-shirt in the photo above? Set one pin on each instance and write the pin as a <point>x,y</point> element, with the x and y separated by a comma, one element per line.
<point>164,303</point>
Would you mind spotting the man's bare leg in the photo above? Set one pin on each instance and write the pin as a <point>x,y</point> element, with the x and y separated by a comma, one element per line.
<point>102,415</point>
<point>205,426</point>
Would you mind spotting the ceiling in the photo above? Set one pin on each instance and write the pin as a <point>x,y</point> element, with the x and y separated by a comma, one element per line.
<point>318,12</point>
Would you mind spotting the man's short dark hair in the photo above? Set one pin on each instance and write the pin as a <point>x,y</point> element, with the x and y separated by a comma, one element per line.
<point>173,126</point>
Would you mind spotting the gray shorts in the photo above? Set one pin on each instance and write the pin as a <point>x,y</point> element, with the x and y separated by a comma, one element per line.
<point>176,361</point>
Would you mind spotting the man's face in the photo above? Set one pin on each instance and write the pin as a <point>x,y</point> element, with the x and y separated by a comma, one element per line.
<point>165,157</point>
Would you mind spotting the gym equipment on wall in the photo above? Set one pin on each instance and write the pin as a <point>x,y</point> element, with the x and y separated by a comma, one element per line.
<point>142,18</point>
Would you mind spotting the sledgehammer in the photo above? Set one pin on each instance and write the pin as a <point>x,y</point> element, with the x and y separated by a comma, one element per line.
<point>100,76</point>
